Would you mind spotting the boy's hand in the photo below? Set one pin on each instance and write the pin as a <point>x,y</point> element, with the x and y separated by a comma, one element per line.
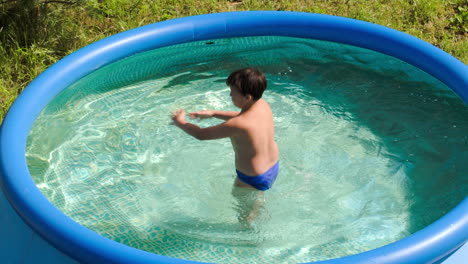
<point>178,117</point>
<point>201,114</point>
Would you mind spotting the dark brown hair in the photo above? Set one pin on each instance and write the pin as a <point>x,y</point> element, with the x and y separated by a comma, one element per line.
<point>248,81</point>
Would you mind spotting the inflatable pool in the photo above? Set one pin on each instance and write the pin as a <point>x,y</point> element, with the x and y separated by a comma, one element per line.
<point>36,226</point>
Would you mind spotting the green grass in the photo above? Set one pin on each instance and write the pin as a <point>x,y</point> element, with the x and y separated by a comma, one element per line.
<point>36,33</point>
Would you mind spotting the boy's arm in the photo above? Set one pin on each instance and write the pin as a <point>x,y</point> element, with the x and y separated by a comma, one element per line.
<point>224,115</point>
<point>226,129</point>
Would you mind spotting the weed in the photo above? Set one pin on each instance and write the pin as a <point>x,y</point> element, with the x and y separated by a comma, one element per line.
<point>459,19</point>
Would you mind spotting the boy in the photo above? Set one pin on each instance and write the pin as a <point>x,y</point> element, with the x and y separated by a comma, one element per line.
<point>251,130</point>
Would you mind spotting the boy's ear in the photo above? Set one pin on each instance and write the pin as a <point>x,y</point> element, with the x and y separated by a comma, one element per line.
<point>249,97</point>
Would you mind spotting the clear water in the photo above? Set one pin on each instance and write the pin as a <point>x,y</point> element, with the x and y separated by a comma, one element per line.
<point>371,151</point>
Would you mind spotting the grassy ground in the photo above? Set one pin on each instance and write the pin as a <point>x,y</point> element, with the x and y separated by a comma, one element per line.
<point>36,33</point>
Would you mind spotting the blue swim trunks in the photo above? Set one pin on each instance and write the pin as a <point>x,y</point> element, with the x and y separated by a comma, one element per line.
<point>263,181</point>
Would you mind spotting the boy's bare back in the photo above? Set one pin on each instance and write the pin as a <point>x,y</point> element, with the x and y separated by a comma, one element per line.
<point>255,148</point>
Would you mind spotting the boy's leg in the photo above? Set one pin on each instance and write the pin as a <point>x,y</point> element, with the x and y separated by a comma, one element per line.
<point>249,204</point>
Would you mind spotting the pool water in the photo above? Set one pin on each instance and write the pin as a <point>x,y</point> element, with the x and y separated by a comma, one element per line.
<point>371,149</point>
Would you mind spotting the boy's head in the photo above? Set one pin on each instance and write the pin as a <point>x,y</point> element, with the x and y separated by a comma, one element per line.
<point>248,81</point>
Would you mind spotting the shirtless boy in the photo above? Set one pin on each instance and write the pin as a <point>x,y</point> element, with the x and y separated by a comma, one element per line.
<point>251,130</point>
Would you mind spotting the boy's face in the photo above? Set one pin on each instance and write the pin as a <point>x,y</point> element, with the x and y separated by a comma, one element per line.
<point>238,99</point>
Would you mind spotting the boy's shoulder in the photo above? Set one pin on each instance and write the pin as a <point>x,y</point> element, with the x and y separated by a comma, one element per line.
<point>253,114</point>
<point>260,107</point>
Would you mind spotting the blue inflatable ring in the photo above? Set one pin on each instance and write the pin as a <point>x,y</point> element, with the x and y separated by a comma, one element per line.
<point>430,245</point>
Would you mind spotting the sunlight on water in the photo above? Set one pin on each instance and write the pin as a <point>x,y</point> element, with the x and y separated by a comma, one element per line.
<point>355,141</point>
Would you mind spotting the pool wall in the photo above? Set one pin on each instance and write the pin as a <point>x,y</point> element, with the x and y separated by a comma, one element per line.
<point>46,225</point>
<point>19,243</point>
